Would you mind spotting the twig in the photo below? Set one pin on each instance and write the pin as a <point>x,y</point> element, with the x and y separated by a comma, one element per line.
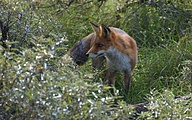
<point>4,31</point>
<point>132,13</point>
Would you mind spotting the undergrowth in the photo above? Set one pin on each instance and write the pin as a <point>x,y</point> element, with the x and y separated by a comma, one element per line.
<point>38,80</point>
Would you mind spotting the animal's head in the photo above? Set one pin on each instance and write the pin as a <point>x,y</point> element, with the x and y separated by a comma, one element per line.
<point>101,41</point>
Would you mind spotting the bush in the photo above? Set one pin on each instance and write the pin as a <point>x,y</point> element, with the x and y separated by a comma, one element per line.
<point>166,106</point>
<point>41,85</point>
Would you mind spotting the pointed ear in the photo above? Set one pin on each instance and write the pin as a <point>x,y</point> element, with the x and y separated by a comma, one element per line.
<point>95,27</point>
<point>105,31</point>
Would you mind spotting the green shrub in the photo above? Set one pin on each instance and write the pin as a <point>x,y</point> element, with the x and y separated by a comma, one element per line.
<point>165,106</point>
<point>41,85</point>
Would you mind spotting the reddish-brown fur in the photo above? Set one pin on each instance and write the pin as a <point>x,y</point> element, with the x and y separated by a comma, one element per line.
<point>112,44</point>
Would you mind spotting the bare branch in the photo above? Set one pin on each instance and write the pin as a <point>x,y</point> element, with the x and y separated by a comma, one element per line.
<point>4,31</point>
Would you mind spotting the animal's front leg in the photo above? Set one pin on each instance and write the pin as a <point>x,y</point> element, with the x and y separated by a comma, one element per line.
<point>98,62</point>
<point>110,76</point>
<point>127,80</point>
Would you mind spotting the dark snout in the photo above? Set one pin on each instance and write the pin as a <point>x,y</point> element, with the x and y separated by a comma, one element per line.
<point>87,54</point>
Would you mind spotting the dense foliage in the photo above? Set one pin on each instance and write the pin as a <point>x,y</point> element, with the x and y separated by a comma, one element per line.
<point>38,80</point>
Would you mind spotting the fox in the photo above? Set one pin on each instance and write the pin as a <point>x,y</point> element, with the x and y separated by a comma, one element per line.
<point>109,44</point>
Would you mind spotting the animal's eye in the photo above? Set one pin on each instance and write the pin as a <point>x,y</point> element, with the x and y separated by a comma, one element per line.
<point>99,45</point>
